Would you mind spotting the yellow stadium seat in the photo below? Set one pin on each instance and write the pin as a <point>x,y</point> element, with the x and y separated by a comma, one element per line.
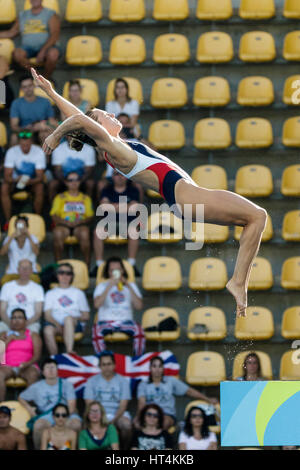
<point>290,273</point>
<point>255,91</point>
<point>261,277</point>
<point>171,49</point>
<point>6,49</point>
<point>211,91</point>
<point>116,240</point>
<point>254,181</point>
<point>291,46</point>
<point>208,274</point>
<point>113,337</point>
<point>127,49</point>
<point>153,316</point>
<point>291,9</point>
<point>37,226</point>
<point>210,177</point>
<point>212,133</point>
<point>257,325</point>
<point>257,9</point>
<point>83,11</point>
<point>290,326</point>
<point>203,405</point>
<point>3,135</point>
<point>164,227</point>
<point>128,267</point>
<point>290,132</point>
<point>265,363</point>
<point>205,368</point>
<point>124,11</point>
<point>81,273</point>
<point>135,89</point>
<point>257,46</point>
<point>290,181</point>
<point>89,91</point>
<point>214,47</point>
<point>16,382</point>
<point>291,226</point>
<point>210,233</point>
<point>21,196</point>
<point>206,324</point>
<point>291,94</point>
<point>71,240</point>
<point>254,133</point>
<point>161,273</point>
<point>83,50</point>
<point>267,233</point>
<point>52,4</point>
<point>168,93</point>
<point>211,10</point>
<point>8,11</point>
<point>290,365</point>
<point>19,415</point>
<point>167,134</point>
<point>153,194</point>
<point>77,337</point>
<point>170,10</point>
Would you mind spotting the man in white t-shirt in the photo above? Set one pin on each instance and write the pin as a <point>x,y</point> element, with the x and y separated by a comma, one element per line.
<point>24,167</point>
<point>66,310</point>
<point>25,294</point>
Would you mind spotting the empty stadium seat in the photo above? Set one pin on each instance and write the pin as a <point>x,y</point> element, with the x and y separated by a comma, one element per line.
<point>3,135</point>
<point>257,9</point>
<point>167,134</point>
<point>83,50</point>
<point>265,362</point>
<point>81,273</point>
<point>261,277</point>
<point>52,4</point>
<point>6,49</point>
<point>291,46</point>
<point>212,10</point>
<point>290,132</point>
<point>267,233</point>
<point>8,11</point>
<point>291,90</point>
<point>37,226</point>
<point>291,9</point>
<point>210,233</point>
<point>135,89</point>
<point>254,133</point>
<point>124,11</point>
<point>83,11</point>
<point>290,273</point>
<point>171,49</point>
<point>206,324</point>
<point>161,273</point>
<point>290,181</point>
<point>211,91</point>
<point>290,365</point>
<point>19,415</point>
<point>257,325</point>
<point>291,226</point>
<point>203,405</point>
<point>208,274</point>
<point>128,267</point>
<point>257,46</point>
<point>170,10</point>
<point>214,47</point>
<point>290,326</point>
<point>153,316</point>
<point>210,177</point>
<point>255,91</point>
<point>164,227</point>
<point>127,49</point>
<point>212,133</point>
<point>89,91</point>
<point>205,368</point>
<point>254,181</point>
<point>168,93</point>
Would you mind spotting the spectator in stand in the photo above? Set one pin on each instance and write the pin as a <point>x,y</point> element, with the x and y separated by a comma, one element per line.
<point>39,28</point>
<point>46,394</point>
<point>65,160</point>
<point>66,310</point>
<point>98,434</point>
<point>162,390</point>
<point>151,434</point>
<point>72,213</point>
<point>115,300</point>
<point>25,294</point>
<point>59,436</point>
<point>22,352</point>
<point>24,168</point>
<point>113,392</point>
<point>10,437</point>
<point>251,368</point>
<point>75,97</point>
<point>123,103</point>
<point>20,245</point>
<point>196,434</point>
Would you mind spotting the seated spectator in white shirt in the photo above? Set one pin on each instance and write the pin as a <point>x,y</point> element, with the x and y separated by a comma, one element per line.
<point>25,294</point>
<point>123,103</point>
<point>196,434</point>
<point>20,245</point>
<point>66,310</point>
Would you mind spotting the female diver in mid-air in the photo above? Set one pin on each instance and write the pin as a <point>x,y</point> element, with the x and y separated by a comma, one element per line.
<point>154,171</point>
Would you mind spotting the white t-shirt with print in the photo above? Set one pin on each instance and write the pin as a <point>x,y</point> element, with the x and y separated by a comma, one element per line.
<point>22,296</point>
<point>132,108</point>
<point>16,254</point>
<point>23,162</point>
<point>196,444</point>
<point>66,302</point>
<point>117,304</point>
<point>63,152</point>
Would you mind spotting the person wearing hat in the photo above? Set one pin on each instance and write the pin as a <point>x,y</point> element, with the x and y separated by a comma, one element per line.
<point>10,437</point>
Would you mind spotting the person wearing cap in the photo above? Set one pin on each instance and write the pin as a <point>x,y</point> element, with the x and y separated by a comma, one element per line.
<point>10,437</point>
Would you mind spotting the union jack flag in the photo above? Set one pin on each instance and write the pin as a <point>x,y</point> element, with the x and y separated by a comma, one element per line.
<point>79,369</point>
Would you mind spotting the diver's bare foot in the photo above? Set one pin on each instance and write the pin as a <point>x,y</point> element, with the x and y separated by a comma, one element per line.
<point>239,292</point>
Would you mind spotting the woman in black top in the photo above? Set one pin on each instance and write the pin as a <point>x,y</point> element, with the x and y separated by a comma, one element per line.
<point>151,434</point>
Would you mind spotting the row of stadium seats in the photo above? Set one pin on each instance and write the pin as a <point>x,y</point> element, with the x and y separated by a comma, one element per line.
<point>84,11</point>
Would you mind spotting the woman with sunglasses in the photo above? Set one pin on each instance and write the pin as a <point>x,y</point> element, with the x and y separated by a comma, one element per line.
<point>59,436</point>
<point>98,433</point>
<point>151,434</point>
<point>196,434</point>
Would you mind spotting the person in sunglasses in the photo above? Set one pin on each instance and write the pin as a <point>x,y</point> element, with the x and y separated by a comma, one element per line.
<point>59,436</point>
<point>66,310</point>
<point>72,213</point>
<point>196,434</point>
<point>151,434</point>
